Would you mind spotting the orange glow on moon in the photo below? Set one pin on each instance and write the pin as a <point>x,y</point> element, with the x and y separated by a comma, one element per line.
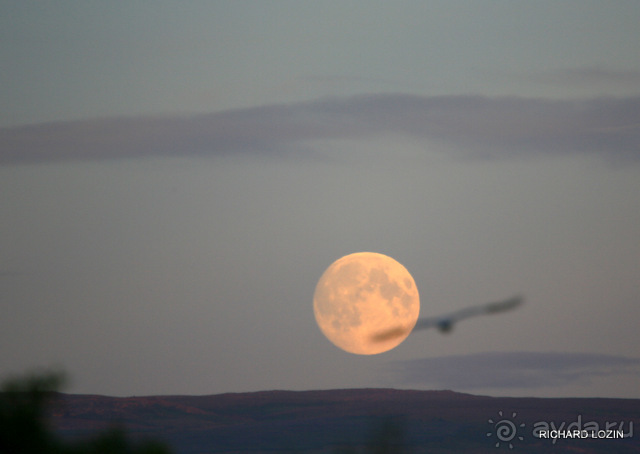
<point>363,294</point>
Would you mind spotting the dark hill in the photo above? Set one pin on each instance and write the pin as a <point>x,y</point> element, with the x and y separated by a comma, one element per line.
<point>351,421</point>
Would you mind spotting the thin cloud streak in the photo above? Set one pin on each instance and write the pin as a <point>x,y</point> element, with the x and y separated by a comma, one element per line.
<point>479,126</point>
<point>500,370</point>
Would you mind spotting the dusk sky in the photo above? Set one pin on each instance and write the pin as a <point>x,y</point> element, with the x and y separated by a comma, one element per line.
<point>175,177</point>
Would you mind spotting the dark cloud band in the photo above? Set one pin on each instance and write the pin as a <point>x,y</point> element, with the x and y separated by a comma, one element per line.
<point>499,370</point>
<point>480,126</point>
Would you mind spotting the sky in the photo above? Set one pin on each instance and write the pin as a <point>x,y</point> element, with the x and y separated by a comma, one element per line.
<point>175,177</point>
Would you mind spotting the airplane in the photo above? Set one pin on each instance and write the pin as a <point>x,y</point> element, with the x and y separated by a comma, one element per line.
<point>445,323</point>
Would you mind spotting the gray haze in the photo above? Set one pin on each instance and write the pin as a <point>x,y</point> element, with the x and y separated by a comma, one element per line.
<point>175,178</point>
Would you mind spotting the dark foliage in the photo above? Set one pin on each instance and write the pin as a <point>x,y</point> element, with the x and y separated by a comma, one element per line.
<point>24,428</point>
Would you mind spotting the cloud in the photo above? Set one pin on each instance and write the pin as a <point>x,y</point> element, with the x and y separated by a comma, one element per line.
<point>500,370</point>
<point>476,125</point>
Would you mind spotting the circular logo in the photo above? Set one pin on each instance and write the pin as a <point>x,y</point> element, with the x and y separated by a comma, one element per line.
<point>505,430</point>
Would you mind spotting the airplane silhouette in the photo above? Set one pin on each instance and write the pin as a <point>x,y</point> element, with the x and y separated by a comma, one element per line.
<point>445,323</point>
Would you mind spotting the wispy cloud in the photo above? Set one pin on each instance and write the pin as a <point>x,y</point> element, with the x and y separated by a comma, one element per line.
<point>479,126</point>
<point>499,370</point>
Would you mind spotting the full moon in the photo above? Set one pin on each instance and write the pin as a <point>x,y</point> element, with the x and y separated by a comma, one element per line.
<point>361,295</point>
